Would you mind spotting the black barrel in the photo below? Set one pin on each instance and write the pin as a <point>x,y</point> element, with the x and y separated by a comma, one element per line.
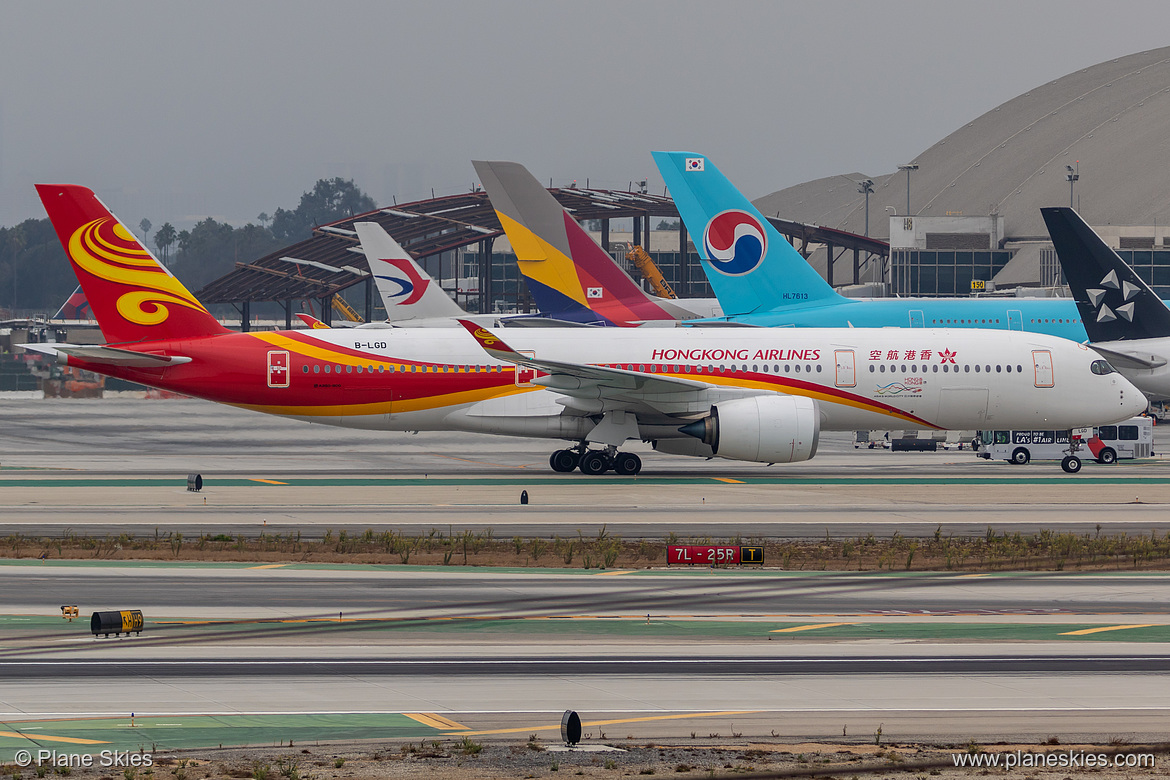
<point>124,621</point>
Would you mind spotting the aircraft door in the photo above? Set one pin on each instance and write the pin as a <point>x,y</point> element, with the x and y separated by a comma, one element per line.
<point>916,319</point>
<point>1042,362</point>
<point>278,373</point>
<point>846,368</point>
<point>1015,319</point>
<point>525,374</point>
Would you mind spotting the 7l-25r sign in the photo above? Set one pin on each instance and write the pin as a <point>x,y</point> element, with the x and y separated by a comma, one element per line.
<point>712,554</point>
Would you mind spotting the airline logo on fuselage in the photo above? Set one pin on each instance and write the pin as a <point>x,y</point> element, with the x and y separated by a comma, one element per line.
<point>672,355</point>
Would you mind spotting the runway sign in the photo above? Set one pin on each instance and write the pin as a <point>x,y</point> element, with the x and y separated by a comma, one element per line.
<point>713,554</point>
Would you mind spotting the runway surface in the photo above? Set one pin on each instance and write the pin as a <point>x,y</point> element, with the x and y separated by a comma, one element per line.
<point>500,653</point>
<point>258,652</point>
<point>125,462</point>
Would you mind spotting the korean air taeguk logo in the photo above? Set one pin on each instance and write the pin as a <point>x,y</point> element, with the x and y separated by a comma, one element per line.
<point>735,242</point>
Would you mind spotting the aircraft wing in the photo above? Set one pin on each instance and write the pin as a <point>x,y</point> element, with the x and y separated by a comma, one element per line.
<point>110,356</point>
<point>616,388</point>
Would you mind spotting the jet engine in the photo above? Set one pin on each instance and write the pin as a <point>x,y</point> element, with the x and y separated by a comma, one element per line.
<point>764,428</point>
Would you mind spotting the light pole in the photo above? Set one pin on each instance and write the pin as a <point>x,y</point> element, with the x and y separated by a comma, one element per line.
<point>866,187</point>
<point>908,168</point>
<point>1073,175</point>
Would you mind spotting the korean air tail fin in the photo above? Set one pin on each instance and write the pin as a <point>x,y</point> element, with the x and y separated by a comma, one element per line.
<point>1115,304</point>
<point>407,291</point>
<point>751,267</point>
<point>569,274</point>
<point>133,296</point>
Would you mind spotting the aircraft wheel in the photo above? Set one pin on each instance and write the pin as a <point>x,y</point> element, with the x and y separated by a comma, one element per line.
<point>563,461</point>
<point>1021,456</point>
<point>1107,456</point>
<point>627,464</point>
<point>594,462</point>
<point>1071,464</point>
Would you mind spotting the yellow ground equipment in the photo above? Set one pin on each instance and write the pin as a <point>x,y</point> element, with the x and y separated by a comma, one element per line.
<point>345,310</point>
<point>650,272</point>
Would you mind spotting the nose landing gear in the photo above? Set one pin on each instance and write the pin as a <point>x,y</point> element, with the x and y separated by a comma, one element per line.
<point>595,461</point>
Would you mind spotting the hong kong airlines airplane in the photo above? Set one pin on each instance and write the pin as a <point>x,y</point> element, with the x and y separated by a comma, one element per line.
<point>745,393</point>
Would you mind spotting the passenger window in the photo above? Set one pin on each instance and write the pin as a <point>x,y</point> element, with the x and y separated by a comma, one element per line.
<point>1127,432</point>
<point>1108,432</point>
<point>871,368</point>
<point>316,369</point>
<point>883,369</point>
<point>328,368</point>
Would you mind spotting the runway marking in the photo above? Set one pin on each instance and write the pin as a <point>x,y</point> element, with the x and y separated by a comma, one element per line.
<point>962,576</point>
<point>71,740</point>
<point>268,481</point>
<point>269,566</point>
<point>612,573</point>
<point>808,628</point>
<point>435,721</point>
<point>556,727</point>
<point>1085,631</point>
<point>729,479</point>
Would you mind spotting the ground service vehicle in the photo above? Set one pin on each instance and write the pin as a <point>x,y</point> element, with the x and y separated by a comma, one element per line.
<point>1133,438</point>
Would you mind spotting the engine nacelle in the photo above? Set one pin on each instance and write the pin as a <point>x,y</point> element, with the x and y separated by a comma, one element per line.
<point>690,447</point>
<point>764,428</point>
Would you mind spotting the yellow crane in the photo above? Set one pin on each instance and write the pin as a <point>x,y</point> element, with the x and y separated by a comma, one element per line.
<point>649,271</point>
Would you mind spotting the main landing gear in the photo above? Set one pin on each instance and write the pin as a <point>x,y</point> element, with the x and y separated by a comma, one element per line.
<point>595,461</point>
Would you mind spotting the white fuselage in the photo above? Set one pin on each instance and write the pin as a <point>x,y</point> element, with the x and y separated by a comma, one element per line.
<point>1153,381</point>
<point>860,378</point>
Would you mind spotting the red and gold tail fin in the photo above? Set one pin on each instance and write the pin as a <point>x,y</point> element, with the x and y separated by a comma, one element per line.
<point>133,297</point>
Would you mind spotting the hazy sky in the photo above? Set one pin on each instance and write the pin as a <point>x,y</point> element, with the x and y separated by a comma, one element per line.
<point>176,111</point>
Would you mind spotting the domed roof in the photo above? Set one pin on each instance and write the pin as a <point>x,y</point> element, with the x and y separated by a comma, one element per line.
<point>1112,118</point>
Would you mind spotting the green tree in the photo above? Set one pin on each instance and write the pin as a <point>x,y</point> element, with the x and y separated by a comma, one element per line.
<point>211,249</point>
<point>328,201</point>
<point>164,239</point>
<point>35,274</point>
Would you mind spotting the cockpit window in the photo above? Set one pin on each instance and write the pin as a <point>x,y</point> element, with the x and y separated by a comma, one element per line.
<point>1101,367</point>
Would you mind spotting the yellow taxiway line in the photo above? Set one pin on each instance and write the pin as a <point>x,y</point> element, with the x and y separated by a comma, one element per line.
<point>530,729</point>
<point>808,628</point>
<point>434,720</point>
<point>1085,631</point>
<point>45,737</point>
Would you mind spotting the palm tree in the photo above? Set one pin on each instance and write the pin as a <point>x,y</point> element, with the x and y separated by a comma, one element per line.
<point>164,239</point>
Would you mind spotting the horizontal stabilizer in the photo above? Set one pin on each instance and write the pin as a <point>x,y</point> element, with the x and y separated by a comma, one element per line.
<point>107,356</point>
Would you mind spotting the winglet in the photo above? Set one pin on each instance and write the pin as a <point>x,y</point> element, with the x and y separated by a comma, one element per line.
<point>491,343</point>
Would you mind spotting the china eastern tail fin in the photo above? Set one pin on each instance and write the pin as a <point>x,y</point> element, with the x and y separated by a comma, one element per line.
<point>407,291</point>
<point>133,296</point>
<point>569,274</point>
<point>1115,304</point>
<point>751,267</point>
